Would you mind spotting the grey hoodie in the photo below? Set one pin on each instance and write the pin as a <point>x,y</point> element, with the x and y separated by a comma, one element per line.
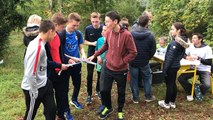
<point>29,83</point>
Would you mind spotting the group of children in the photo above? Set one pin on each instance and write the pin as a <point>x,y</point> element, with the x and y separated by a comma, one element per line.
<point>53,53</point>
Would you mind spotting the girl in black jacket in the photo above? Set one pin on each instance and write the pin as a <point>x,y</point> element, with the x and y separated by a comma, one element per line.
<point>174,53</point>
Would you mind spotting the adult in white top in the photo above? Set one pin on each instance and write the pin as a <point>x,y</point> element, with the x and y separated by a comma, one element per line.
<point>202,52</point>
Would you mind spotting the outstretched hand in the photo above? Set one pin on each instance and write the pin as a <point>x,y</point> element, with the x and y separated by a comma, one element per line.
<point>99,60</point>
<point>91,58</point>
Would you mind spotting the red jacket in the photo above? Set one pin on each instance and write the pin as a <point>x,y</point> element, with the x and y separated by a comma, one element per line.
<point>121,50</point>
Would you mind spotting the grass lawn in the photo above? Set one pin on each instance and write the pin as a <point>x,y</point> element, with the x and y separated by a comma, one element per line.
<point>12,105</point>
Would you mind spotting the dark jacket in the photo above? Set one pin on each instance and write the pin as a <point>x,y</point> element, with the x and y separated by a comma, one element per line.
<point>30,33</point>
<point>174,54</point>
<point>145,44</point>
<point>51,65</point>
<point>121,49</point>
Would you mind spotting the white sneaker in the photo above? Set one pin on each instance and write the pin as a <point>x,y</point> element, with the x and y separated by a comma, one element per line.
<point>172,104</point>
<point>189,98</point>
<point>163,104</point>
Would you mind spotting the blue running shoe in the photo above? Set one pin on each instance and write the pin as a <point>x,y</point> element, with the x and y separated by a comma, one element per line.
<point>100,109</point>
<point>69,115</point>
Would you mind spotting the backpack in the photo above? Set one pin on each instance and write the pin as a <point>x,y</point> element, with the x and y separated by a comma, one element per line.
<point>64,36</point>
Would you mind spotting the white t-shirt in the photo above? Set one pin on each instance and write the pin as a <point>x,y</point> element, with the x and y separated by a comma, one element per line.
<point>204,52</point>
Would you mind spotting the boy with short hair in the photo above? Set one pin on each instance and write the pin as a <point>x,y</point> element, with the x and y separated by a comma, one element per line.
<point>36,87</point>
<point>72,41</point>
<point>56,69</point>
<point>92,33</point>
<point>121,50</point>
<point>199,50</point>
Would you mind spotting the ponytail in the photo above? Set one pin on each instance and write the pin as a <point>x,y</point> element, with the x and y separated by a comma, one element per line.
<point>180,26</point>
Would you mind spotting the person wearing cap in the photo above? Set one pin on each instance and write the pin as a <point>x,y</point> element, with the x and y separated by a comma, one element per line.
<point>32,29</point>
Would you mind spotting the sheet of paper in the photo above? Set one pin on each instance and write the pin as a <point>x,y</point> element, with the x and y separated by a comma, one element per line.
<point>182,62</point>
<point>81,60</point>
<point>89,62</point>
<point>187,62</point>
<point>70,65</point>
<point>161,57</point>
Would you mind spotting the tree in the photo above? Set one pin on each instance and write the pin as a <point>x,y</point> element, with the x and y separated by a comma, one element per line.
<point>39,7</point>
<point>10,19</point>
<point>128,8</point>
<point>196,15</point>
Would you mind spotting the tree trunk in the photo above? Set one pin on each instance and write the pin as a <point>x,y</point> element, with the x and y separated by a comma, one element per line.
<point>51,6</point>
<point>60,6</point>
<point>95,2</point>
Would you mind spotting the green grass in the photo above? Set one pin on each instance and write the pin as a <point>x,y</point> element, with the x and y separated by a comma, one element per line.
<point>12,105</point>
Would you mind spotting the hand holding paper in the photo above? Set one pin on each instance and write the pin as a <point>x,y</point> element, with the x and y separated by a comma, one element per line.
<point>91,58</point>
<point>82,60</point>
<point>64,67</point>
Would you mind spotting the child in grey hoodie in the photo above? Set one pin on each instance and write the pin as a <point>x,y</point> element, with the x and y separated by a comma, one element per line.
<point>35,84</point>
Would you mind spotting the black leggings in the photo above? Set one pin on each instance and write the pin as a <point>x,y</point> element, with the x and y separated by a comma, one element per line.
<point>171,87</point>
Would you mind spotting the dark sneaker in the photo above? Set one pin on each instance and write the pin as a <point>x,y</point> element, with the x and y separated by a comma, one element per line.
<point>98,94</point>
<point>60,118</point>
<point>100,109</point>
<point>198,94</point>
<point>135,100</point>
<point>105,113</point>
<point>152,98</point>
<point>69,115</point>
<point>76,104</point>
<point>89,99</point>
<point>120,116</point>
